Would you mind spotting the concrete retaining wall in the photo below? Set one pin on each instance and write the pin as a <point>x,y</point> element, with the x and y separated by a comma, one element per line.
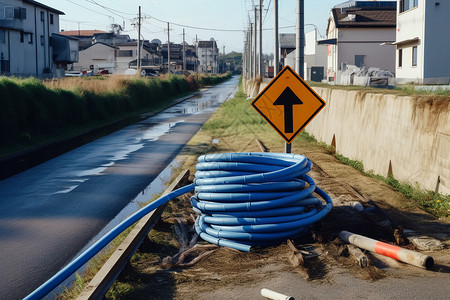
<point>387,132</point>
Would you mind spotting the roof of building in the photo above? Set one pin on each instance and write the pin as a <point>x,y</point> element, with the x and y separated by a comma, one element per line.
<point>66,36</point>
<point>100,43</point>
<point>45,6</point>
<point>364,18</point>
<point>356,3</point>
<point>365,14</point>
<point>287,40</point>
<point>87,33</point>
<point>207,44</point>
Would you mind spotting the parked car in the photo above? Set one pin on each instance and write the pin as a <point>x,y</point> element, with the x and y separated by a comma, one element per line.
<point>103,72</point>
<point>149,72</point>
<point>77,73</point>
<point>130,72</point>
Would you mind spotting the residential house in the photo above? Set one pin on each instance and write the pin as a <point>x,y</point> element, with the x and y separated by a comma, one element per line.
<point>208,56</point>
<point>29,41</point>
<point>361,33</point>
<point>151,57</point>
<point>110,38</point>
<point>98,56</point>
<point>191,58</point>
<point>287,44</point>
<point>128,52</point>
<point>315,55</point>
<point>422,41</point>
<point>176,59</point>
<point>85,37</point>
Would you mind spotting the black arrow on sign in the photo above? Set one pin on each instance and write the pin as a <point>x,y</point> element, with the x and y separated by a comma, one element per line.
<point>288,98</point>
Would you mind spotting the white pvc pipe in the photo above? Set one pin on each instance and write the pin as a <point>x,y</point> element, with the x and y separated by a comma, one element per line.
<point>274,295</point>
<point>411,257</point>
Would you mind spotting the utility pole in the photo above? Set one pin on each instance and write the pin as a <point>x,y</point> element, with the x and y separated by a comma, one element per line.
<point>250,51</point>
<point>196,53</point>
<point>184,53</point>
<point>168,48</point>
<point>300,39</point>
<point>260,40</point>
<point>223,61</point>
<point>255,70</point>
<point>139,44</point>
<point>276,59</point>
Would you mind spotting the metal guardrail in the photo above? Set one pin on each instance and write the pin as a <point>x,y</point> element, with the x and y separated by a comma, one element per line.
<point>102,281</point>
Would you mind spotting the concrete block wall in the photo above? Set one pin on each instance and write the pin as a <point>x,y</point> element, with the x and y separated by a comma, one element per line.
<point>410,135</point>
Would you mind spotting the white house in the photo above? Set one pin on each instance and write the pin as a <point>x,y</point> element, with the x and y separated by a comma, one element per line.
<point>361,33</point>
<point>208,55</point>
<point>29,40</point>
<point>128,52</point>
<point>97,56</point>
<point>423,41</point>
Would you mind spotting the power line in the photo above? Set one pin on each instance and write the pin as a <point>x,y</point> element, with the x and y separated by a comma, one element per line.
<point>268,8</point>
<point>197,27</point>
<point>89,9</point>
<point>111,10</point>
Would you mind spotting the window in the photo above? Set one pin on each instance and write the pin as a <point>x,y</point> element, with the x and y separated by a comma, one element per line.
<point>20,13</point>
<point>30,38</point>
<point>408,4</point>
<point>359,60</point>
<point>2,35</point>
<point>51,18</point>
<point>400,57</point>
<point>125,53</point>
<point>21,36</point>
<point>42,16</point>
<point>414,56</point>
<point>9,12</point>
<point>42,40</point>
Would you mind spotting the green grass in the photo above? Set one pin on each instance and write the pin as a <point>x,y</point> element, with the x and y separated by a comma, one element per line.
<point>431,202</point>
<point>358,165</point>
<point>31,113</point>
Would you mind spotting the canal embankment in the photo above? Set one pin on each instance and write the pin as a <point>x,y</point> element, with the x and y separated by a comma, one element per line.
<point>391,133</point>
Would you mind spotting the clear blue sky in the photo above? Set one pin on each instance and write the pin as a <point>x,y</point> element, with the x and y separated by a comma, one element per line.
<point>205,14</point>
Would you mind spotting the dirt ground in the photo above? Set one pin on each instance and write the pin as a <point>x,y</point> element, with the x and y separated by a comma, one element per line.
<point>328,271</point>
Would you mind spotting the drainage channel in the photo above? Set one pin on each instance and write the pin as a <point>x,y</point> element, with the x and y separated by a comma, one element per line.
<point>156,187</point>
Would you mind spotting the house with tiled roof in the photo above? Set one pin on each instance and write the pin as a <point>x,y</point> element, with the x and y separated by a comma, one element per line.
<point>85,37</point>
<point>361,33</point>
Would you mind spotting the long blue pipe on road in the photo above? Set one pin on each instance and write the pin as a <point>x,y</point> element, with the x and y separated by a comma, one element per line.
<point>244,200</point>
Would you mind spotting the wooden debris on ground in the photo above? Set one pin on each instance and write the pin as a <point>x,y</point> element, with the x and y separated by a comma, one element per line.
<point>360,257</point>
<point>190,252</point>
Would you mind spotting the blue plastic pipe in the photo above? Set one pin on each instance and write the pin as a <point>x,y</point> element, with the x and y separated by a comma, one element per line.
<point>242,208</point>
<point>78,262</point>
<point>244,200</point>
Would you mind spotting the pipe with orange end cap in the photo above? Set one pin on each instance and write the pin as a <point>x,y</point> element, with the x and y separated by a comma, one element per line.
<point>407,256</point>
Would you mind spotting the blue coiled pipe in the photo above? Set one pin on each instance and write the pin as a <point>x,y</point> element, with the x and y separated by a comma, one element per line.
<point>244,200</point>
<point>255,199</point>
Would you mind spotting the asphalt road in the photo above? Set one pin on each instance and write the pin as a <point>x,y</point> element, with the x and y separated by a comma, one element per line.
<point>50,212</point>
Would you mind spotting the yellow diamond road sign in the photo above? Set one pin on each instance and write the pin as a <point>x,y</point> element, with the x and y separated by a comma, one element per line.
<point>288,104</point>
